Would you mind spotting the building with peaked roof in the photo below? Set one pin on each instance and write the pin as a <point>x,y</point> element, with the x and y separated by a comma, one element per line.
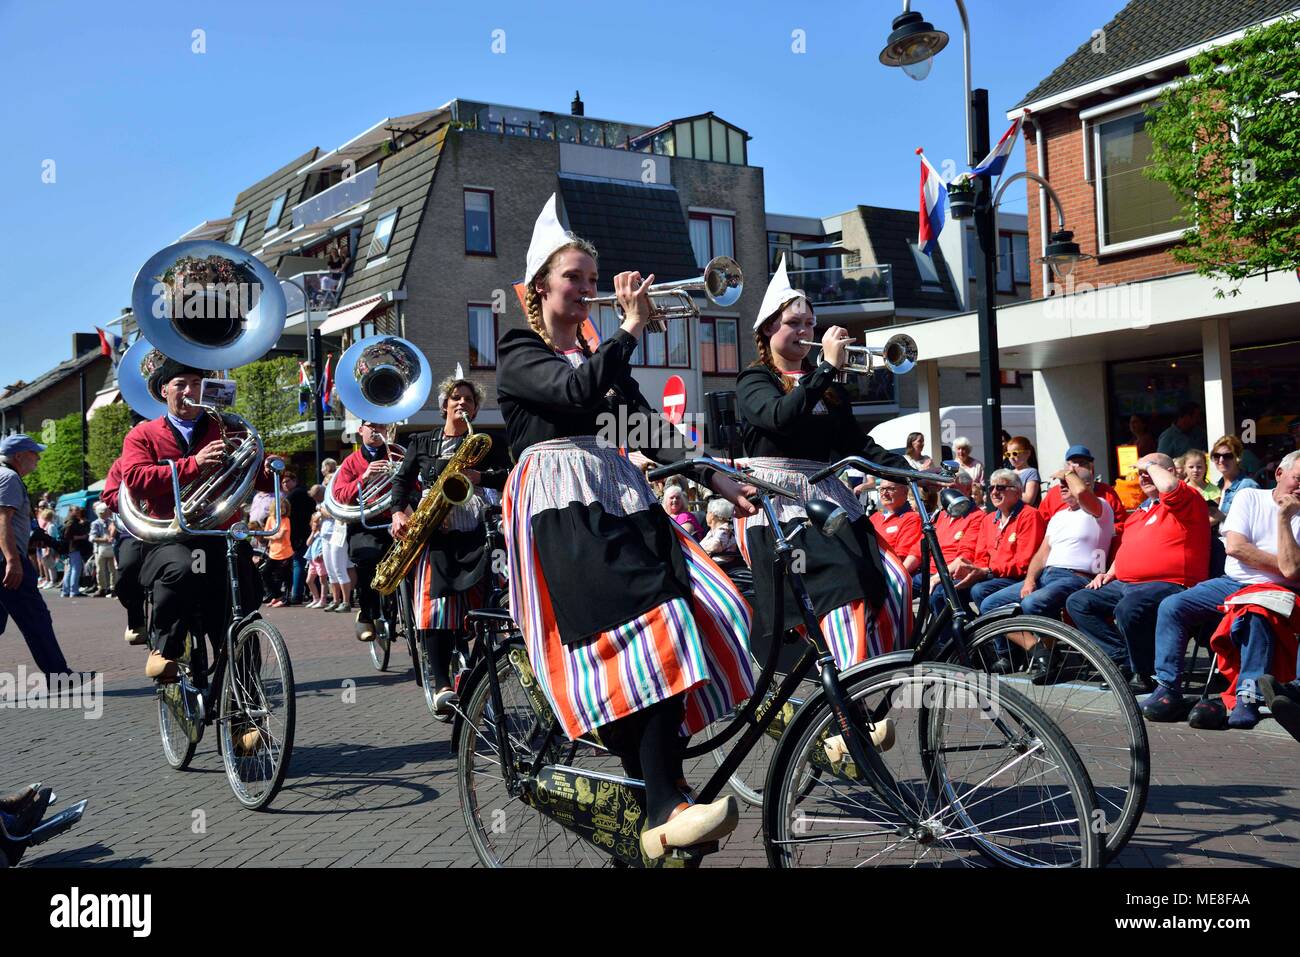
<point>58,391</point>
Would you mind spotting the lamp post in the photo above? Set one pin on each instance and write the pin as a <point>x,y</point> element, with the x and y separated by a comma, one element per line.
<point>313,359</point>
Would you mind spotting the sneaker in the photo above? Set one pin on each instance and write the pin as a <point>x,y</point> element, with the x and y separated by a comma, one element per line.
<point>1211,714</point>
<point>1164,705</point>
<point>1246,714</point>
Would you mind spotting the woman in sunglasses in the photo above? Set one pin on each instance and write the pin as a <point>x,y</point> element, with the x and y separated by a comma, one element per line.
<point>1024,460</point>
<point>1225,456</point>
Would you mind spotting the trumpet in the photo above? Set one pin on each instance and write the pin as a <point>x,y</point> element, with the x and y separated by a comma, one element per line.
<point>898,356</point>
<point>722,283</point>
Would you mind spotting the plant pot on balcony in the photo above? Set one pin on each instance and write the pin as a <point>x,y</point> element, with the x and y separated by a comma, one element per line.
<point>961,199</point>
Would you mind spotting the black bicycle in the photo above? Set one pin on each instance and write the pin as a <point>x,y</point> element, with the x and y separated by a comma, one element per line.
<point>891,762</point>
<point>247,692</point>
<point>1069,677</point>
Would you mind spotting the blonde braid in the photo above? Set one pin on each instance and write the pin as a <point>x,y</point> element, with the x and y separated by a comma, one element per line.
<point>533,308</point>
<point>533,299</point>
<point>763,345</point>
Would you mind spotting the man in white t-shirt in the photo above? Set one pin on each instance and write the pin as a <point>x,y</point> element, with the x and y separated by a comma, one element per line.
<point>1251,534</point>
<point>1074,550</point>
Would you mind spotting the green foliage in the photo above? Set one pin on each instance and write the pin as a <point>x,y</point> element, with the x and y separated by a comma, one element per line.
<point>105,434</point>
<point>266,394</point>
<point>1227,139</point>
<point>59,470</point>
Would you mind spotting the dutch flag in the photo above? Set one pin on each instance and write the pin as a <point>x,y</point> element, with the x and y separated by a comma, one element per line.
<point>933,194</point>
<point>996,161</point>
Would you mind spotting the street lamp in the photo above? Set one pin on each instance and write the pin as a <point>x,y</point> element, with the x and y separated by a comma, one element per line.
<point>1060,251</point>
<point>913,45</point>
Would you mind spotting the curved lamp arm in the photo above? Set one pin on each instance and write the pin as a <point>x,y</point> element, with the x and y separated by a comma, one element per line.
<point>1025,174</point>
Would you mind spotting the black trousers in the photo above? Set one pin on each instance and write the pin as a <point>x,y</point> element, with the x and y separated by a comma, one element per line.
<point>366,547</point>
<point>130,557</point>
<point>189,581</point>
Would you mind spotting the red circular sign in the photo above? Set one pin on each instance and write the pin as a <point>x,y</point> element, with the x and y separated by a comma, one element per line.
<point>674,404</point>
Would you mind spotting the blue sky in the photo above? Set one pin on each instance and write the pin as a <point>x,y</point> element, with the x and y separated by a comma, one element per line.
<point>149,138</point>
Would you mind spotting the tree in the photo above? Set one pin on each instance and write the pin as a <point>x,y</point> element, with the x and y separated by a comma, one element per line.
<point>106,431</point>
<point>266,394</point>
<point>1226,139</point>
<point>59,470</point>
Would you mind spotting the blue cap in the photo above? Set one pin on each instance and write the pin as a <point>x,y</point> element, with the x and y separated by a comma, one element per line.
<point>1079,452</point>
<point>13,444</point>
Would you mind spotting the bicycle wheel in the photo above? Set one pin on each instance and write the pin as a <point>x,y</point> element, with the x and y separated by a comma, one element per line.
<point>1086,696</point>
<point>748,780</point>
<point>424,667</point>
<point>179,737</point>
<point>504,830</point>
<point>257,696</point>
<point>987,777</point>
<point>381,647</point>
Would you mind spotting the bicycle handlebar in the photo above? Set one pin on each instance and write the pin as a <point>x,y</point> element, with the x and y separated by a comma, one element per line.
<point>708,462</point>
<point>276,465</point>
<point>883,471</point>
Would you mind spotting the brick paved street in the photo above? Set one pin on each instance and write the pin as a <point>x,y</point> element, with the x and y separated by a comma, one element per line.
<point>373,783</point>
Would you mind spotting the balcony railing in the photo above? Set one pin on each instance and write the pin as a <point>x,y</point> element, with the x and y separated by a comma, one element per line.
<point>320,299</point>
<point>845,285</point>
<point>337,198</point>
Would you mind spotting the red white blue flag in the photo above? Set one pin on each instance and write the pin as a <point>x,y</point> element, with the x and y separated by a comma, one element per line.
<point>996,161</point>
<point>933,194</point>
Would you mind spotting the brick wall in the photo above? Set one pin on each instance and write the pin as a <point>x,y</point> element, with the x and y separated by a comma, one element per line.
<point>59,399</point>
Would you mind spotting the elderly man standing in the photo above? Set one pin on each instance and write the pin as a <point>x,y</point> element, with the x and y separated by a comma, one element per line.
<point>19,597</point>
<point>1251,533</point>
<point>1165,549</point>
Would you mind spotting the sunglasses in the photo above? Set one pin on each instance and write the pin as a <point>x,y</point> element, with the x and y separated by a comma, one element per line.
<point>999,488</point>
<point>1222,456</point>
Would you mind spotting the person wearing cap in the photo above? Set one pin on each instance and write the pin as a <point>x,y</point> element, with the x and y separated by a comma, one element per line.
<point>177,583</point>
<point>1079,460</point>
<point>451,572</point>
<point>631,628</point>
<point>366,546</point>
<point>798,419</point>
<point>19,597</point>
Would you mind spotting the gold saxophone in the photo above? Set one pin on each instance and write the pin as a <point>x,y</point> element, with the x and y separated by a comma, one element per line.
<point>451,488</point>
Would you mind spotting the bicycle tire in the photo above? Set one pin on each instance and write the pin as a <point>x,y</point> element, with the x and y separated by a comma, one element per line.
<point>256,777</point>
<point>946,807</point>
<point>381,647</point>
<point>1105,728</point>
<point>424,668</point>
<point>178,742</point>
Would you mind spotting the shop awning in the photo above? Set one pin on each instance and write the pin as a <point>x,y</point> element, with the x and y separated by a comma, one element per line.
<point>354,314</point>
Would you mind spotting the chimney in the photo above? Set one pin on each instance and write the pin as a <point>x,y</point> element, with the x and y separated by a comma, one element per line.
<point>576,107</point>
<point>83,342</point>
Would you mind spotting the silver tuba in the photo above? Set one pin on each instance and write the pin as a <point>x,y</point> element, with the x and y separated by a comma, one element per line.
<point>207,305</point>
<point>381,379</point>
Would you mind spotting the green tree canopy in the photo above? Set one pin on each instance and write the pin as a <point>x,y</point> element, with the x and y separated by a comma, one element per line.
<point>59,470</point>
<point>1227,139</point>
<point>105,434</point>
<point>266,394</point>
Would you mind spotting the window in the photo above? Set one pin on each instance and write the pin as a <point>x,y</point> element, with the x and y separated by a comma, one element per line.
<point>1020,257</point>
<point>482,336</point>
<point>925,265</point>
<point>237,234</point>
<point>277,208</point>
<point>1013,261</point>
<point>670,349</point>
<point>383,234</point>
<point>712,235</point>
<point>479,239</point>
<point>1131,209</point>
<point>719,346</point>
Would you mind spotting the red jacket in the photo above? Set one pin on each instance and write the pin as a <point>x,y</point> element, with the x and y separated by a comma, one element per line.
<point>901,533</point>
<point>1007,551</point>
<point>144,469</point>
<point>1053,502</point>
<point>111,482</point>
<point>1285,633</point>
<point>1169,542</point>
<point>347,483</point>
<point>958,537</point>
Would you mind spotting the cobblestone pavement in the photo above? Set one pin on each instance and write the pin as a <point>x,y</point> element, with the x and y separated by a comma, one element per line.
<point>373,782</point>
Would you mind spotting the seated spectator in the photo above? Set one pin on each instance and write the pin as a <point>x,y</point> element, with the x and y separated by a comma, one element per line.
<point>1079,460</point>
<point>1008,539</point>
<point>898,524</point>
<point>1165,549</point>
<point>1226,455</point>
<point>1195,465</point>
<point>957,537</point>
<point>1023,458</point>
<point>915,453</point>
<point>1075,548</point>
<point>961,447</point>
<point>720,543</point>
<point>674,503</point>
<point>1185,433</point>
<point>1251,532</point>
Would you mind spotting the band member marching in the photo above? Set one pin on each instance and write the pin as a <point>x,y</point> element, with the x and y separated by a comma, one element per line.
<point>450,576</point>
<point>797,419</point>
<point>630,627</point>
<point>366,546</point>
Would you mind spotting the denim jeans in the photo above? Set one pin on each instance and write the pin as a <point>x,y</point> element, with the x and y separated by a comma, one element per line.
<point>72,574</point>
<point>1130,639</point>
<point>967,595</point>
<point>27,608</point>
<point>299,565</point>
<point>1055,585</point>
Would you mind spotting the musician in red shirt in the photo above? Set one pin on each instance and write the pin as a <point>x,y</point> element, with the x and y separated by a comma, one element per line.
<point>898,526</point>
<point>957,536</point>
<point>177,580</point>
<point>1166,549</point>
<point>366,546</point>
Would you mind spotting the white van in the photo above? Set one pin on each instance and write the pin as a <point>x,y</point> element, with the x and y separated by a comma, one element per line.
<point>955,421</point>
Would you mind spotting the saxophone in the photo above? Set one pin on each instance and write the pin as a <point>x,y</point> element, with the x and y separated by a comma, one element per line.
<point>451,488</point>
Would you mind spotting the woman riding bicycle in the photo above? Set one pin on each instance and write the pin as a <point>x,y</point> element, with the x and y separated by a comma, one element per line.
<point>797,419</point>
<point>632,630</point>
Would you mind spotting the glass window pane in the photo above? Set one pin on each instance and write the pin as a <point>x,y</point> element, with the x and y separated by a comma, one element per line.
<point>722,237</point>
<point>679,356</point>
<point>708,359</point>
<point>277,208</point>
<point>719,141</point>
<point>383,234</point>
<point>237,234</point>
<point>1135,207</point>
<point>655,353</point>
<point>1020,252</point>
<point>685,141</point>
<point>482,337</point>
<point>478,222</point>
<point>608,322</point>
<point>700,229</point>
<point>728,345</point>
<point>1004,263</point>
<point>929,275</point>
<point>566,130</point>
<point>593,134</point>
<point>737,147</point>
<point>701,131</point>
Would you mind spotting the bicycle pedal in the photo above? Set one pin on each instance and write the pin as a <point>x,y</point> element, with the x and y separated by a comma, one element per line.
<point>689,856</point>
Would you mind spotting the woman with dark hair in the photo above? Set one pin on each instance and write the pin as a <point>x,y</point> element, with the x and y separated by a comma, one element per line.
<point>631,628</point>
<point>915,453</point>
<point>797,419</point>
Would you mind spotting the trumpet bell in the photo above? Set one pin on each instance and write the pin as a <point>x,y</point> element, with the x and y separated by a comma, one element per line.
<point>723,281</point>
<point>208,304</point>
<point>900,354</point>
<point>138,363</point>
<point>383,379</point>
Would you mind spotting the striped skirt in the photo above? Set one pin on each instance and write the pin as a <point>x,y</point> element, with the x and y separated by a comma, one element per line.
<point>433,610</point>
<point>697,647</point>
<point>854,631</point>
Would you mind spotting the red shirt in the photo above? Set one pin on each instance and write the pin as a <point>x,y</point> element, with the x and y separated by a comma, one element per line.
<point>1007,550</point>
<point>347,482</point>
<point>958,537</point>
<point>111,482</point>
<point>902,532</point>
<point>1168,542</point>
<point>1053,503</point>
<point>144,469</point>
